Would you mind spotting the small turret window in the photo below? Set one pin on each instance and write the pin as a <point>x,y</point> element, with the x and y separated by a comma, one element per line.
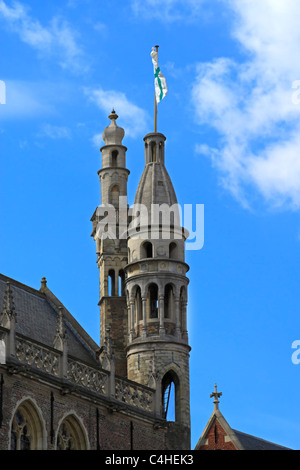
<point>173,251</point>
<point>147,250</point>
<point>111,282</point>
<point>153,151</point>
<point>114,195</point>
<point>121,283</point>
<point>153,297</point>
<point>114,158</point>
<point>169,308</point>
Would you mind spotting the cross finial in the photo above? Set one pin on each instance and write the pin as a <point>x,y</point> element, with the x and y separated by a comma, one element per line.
<point>216,396</point>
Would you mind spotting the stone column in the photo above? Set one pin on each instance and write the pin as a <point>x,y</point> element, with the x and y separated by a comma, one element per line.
<point>161,314</point>
<point>184,321</point>
<point>177,318</point>
<point>131,319</point>
<point>144,309</point>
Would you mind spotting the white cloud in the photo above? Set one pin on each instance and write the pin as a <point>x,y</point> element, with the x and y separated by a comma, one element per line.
<point>250,104</point>
<point>55,132</point>
<point>26,99</point>
<point>132,118</point>
<point>56,40</point>
<point>167,10</point>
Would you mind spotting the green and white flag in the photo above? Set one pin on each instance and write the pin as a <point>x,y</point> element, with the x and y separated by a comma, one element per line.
<point>159,81</point>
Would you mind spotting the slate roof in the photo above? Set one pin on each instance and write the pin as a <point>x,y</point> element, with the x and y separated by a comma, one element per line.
<point>255,443</point>
<point>37,319</point>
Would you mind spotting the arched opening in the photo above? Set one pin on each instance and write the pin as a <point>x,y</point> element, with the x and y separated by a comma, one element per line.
<point>170,396</point>
<point>182,308</point>
<point>173,251</point>
<point>111,282</point>
<point>153,301</point>
<point>138,304</point>
<point>121,283</point>
<point>161,150</point>
<point>169,299</point>
<point>70,435</point>
<point>114,195</point>
<point>26,429</point>
<point>147,250</point>
<point>114,158</point>
<point>153,151</point>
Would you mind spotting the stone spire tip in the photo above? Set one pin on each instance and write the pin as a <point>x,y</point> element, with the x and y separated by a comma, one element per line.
<point>113,115</point>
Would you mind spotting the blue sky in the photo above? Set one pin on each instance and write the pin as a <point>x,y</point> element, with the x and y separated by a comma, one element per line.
<point>232,126</point>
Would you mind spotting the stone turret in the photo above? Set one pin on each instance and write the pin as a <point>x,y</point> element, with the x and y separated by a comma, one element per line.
<point>145,312</point>
<point>156,287</point>
<point>111,250</point>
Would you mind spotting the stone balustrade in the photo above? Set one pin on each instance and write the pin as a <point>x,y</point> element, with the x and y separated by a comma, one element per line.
<point>35,357</point>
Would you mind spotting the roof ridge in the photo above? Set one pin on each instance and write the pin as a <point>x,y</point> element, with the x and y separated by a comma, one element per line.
<point>52,299</point>
<point>22,286</point>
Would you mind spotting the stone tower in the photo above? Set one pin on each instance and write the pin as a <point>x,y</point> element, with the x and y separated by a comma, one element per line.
<point>111,246</point>
<point>156,288</point>
<point>143,282</point>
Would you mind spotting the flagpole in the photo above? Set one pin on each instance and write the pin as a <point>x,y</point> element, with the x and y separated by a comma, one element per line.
<point>155,104</point>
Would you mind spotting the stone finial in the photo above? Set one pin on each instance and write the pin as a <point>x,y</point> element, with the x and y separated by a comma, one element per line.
<point>113,134</point>
<point>113,115</point>
<point>107,355</point>
<point>9,305</point>
<point>60,336</point>
<point>43,283</point>
<point>216,396</point>
<point>108,342</point>
<point>8,311</point>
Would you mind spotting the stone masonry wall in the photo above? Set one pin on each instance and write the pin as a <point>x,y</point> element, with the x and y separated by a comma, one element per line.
<point>113,314</point>
<point>115,428</point>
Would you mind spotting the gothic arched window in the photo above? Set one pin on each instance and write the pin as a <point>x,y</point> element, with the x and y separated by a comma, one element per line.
<point>70,435</point>
<point>170,396</point>
<point>26,429</point>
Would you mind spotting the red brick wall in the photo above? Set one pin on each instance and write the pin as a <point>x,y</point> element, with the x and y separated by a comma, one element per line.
<point>114,428</point>
<point>216,438</point>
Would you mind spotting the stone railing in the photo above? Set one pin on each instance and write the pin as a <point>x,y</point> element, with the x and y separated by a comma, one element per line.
<point>134,394</point>
<point>24,352</point>
<point>88,377</point>
<point>37,356</point>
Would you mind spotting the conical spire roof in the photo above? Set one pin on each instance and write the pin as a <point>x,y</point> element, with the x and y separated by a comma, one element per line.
<point>155,186</point>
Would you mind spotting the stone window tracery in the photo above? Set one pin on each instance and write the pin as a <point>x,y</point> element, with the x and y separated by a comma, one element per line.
<point>70,435</point>
<point>26,428</point>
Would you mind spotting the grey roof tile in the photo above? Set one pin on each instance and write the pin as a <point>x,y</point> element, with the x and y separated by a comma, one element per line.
<point>37,319</point>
